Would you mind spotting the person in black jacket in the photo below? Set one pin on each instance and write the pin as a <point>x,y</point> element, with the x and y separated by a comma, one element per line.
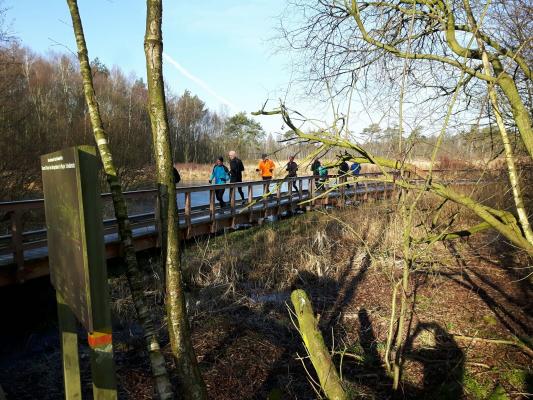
<point>344,168</point>
<point>315,169</point>
<point>292,167</point>
<point>236,168</point>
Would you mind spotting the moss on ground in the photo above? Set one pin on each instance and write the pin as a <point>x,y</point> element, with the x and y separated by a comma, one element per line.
<point>476,388</point>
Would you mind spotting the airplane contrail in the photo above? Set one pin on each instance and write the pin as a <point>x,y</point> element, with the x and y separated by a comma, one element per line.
<point>199,82</point>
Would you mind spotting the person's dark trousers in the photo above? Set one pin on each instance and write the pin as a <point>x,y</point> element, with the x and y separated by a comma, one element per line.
<point>235,180</point>
<point>219,194</point>
<point>317,180</point>
<point>295,186</point>
<point>267,178</point>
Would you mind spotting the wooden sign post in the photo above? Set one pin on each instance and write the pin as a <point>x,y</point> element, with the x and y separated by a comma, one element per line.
<point>77,265</point>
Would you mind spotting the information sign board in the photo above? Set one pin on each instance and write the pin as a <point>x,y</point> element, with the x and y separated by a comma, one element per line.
<point>75,233</point>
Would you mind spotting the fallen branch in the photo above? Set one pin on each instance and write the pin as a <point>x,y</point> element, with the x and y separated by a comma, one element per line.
<point>516,343</point>
<point>455,235</point>
<point>315,346</point>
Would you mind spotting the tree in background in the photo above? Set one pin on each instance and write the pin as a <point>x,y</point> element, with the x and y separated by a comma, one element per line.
<point>189,114</point>
<point>42,108</point>
<point>244,135</point>
<point>369,43</point>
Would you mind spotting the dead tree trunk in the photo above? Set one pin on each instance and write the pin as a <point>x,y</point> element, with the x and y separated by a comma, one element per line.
<point>315,346</point>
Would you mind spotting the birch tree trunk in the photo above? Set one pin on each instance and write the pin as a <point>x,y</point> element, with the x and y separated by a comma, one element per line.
<point>178,324</point>
<point>134,275</point>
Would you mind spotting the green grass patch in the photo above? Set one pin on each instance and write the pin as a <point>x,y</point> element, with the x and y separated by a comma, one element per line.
<point>517,378</point>
<point>476,389</point>
<point>490,320</point>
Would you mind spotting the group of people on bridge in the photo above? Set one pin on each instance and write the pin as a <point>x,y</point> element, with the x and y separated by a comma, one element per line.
<point>221,174</point>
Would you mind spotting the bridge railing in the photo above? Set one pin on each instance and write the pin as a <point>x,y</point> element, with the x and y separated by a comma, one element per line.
<point>282,196</point>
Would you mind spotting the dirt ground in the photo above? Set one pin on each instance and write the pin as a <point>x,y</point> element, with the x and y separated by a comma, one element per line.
<point>248,348</point>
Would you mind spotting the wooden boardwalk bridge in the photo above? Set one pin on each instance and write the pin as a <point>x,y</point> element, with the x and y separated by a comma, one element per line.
<point>24,252</point>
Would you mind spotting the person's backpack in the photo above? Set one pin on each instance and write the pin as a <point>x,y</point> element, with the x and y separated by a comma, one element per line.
<point>356,168</point>
<point>344,167</point>
<point>226,170</point>
<point>177,177</point>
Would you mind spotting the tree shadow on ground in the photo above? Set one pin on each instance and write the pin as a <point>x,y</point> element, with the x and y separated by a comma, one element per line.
<point>442,364</point>
<point>442,361</point>
<point>472,280</point>
<point>506,253</point>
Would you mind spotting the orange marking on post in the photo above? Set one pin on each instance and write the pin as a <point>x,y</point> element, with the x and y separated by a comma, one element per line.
<point>99,339</point>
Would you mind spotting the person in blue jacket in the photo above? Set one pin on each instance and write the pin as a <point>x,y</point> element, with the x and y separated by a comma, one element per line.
<point>220,176</point>
<point>355,168</point>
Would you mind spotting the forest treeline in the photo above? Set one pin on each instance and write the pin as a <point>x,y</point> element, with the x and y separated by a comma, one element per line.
<point>42,109</point>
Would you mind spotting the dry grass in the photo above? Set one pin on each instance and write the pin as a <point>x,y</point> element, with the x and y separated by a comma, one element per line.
<point>274,257</point>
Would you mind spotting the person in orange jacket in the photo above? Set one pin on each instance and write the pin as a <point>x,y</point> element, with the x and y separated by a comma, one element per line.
<point>266,168</point>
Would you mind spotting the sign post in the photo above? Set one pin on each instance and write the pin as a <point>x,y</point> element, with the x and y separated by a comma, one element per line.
<point>77,265</point>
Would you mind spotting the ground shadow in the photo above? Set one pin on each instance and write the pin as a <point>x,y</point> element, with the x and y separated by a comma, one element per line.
<point>505,313</point>
<point>442,361</point>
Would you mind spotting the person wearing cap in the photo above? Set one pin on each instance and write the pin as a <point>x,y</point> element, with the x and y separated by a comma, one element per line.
<point>344,170</point>
<point>236,168</point>
<point>219,176</point>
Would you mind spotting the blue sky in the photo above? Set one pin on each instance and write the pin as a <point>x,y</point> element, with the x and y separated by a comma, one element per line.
<point>221,46</point>
<point>221,50</point>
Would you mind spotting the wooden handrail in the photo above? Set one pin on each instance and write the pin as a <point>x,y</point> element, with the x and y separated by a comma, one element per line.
<point>37,203</point>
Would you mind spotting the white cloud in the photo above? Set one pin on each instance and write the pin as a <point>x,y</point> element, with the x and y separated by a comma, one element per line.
<point>200,82</point>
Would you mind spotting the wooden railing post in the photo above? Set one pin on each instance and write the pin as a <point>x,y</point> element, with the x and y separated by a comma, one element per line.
<point>312,190</point>
<point>278,197</point>
<point>232,205</point>
<point>342,190</point>
<point>354,189</point>
<point>289,188</point>
<point>212,216</point>
<point>250,201</point>
<point>16,240</point>
<point>365,196</point>
<point>157,216</point>
<point>187,212</point>
<point>266,190</point>
<point>394,188</point>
